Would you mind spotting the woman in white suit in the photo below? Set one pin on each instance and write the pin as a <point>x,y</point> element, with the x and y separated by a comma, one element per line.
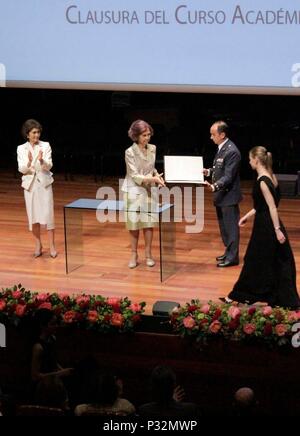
<point>35,162</point>
<point>139,187</point>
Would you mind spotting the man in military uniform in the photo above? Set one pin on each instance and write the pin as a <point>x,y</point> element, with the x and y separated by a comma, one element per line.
<point>227,192</point>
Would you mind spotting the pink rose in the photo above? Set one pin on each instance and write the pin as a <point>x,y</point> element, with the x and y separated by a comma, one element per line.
<point>267,310</point>
<point>215,326</point>
<point>42,297</point>
<point>83,301</point>
<point>16,294</point>
<point>292,316</point>
<point>69,316</point>
<point>114,303</point>
<point>135,307</point>
<point>189,322</point>
<point>233,312</point>
<point>63,296</point>
<point>117,319</point>
<point>205,308</point>
<point>2,305</point>
<point>20,309</point>
<point>92,315</point>
<point>45,305</point>
<point>249,328</point>
<point>281,329</point>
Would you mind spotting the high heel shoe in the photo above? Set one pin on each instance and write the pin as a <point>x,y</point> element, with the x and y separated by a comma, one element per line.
<point>150,261</point>
<point>53,254</point>
<point>38,253</point>
<point>226,300</point>
<point>133,262</point>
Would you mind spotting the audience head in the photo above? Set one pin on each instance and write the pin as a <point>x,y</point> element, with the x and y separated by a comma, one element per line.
<point>51,392</point>
<point>106,389</point>
<point>163,382</point>
<point>244,401</point>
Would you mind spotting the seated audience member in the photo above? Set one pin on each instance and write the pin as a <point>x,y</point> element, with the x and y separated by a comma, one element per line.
<point>51,392</point>
<point>106,398</point>
<point>245,403</point>
<point>44,361</point>
<point>167,397</point>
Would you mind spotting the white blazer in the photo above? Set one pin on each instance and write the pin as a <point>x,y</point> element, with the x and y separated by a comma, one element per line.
<point>42,172</point>
<point>138,166</point>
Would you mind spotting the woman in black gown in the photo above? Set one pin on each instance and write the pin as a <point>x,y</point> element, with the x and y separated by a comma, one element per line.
<point>269,272</point>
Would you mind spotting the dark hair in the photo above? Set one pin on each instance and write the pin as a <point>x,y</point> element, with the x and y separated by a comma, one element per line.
<point>51,392</point>
<point>222,127</point>
<point>42,317</point>
<point>163,381</point>
<point>105,389</point>
<point>29,125</point>
<point>137,128</point>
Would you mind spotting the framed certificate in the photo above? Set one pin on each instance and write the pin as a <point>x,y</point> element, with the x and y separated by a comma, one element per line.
<point>183,169</point>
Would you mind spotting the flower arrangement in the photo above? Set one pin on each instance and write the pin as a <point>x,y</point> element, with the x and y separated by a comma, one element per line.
<point>204,321</point>
<point>89,311</point>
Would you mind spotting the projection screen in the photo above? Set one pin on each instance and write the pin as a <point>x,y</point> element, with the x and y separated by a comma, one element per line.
<point>157,45</point>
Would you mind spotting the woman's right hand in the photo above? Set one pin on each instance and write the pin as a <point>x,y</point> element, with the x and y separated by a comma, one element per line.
<point>159,180</point>
<point>243,221</point>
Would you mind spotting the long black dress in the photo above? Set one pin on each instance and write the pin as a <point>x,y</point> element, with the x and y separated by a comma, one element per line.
<point>269,272</point>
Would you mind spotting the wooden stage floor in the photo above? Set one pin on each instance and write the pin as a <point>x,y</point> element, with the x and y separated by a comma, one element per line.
<point>106,250</point>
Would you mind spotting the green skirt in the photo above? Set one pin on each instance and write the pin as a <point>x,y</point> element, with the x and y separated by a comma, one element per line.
<point>140,211</point>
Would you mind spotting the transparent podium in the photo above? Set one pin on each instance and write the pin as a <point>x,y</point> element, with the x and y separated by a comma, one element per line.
<point>74,235</point>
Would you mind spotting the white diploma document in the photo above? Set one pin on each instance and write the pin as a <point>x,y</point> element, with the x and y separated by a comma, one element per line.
<point>183,169</point>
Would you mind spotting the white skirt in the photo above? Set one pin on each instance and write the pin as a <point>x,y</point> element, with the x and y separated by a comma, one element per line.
<point>39,205</point>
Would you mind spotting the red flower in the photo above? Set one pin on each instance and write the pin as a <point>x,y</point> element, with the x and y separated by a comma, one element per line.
<point>115,303</point>
<point>107,317</point>
<point>136,318</point>
<point>135,307</point>
<point>69,316</point>
<point>83,301</point>
<point>192,308</point>
<point>2,305</point>
<point>268,329</point>
<point>234,323</point>
<point>117,319</point>
<point>217,314</point>
<point>278,315</point>
<point>79,316</point>
<point>42,297</point>
<point>215,326</point>
<point>281,329</point>
<point>20,310</point>
<point>252,310</point>
<point>249,328</point>
<point>92,316</point>
<point>16,294</point>
<point>45,305</point>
